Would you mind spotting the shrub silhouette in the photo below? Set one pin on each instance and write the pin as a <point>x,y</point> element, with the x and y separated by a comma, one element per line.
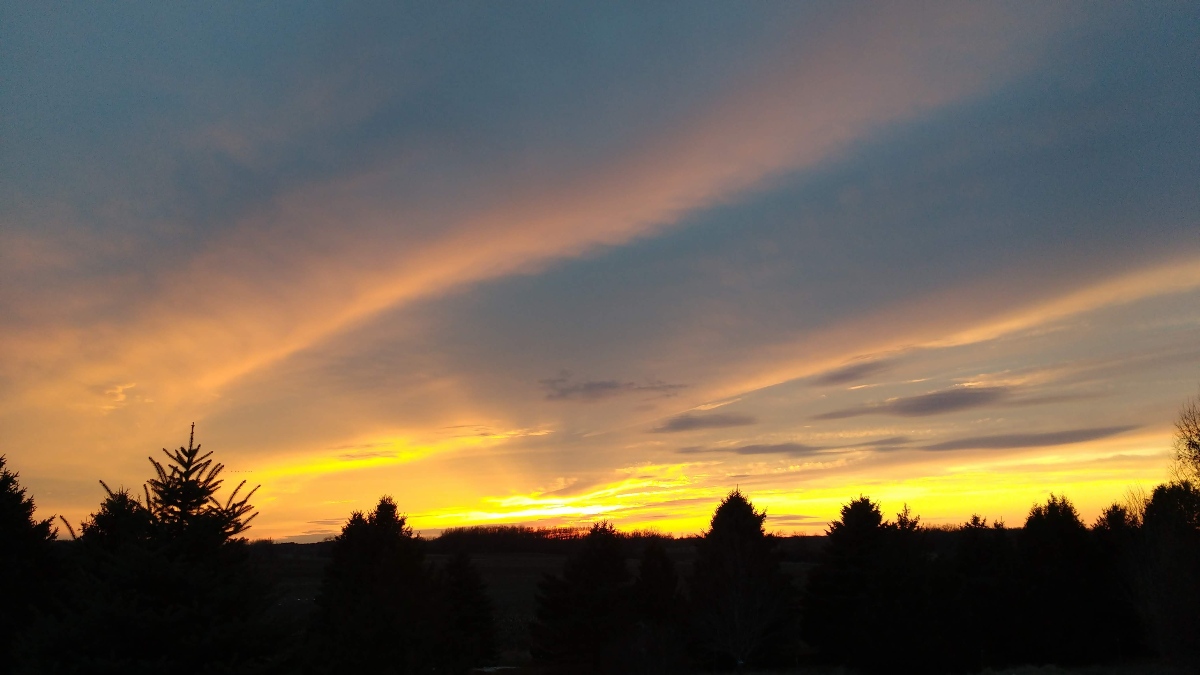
<point>742,606</point>
<point>25,562</point>
<point>372,613</point>
<point>583,618</point>
<point>162,585</point>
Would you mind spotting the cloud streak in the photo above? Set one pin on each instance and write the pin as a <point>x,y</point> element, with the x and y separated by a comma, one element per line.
<point>694,422</point>
<point>924,405</point>
<point>1031,440</point>
<point>853,372</point>
<point>563,388</point>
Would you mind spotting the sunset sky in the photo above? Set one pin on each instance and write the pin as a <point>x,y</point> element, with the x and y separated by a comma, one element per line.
<point>544,263</point>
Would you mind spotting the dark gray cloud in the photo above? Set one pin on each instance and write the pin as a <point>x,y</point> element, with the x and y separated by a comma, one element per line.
<point>689,422</point>
<point>790,449</point>
<point>852,372</point>
<point>1011,441</point>
<point>796,449</point>
<point>923,405</point>
<point>563,388</point>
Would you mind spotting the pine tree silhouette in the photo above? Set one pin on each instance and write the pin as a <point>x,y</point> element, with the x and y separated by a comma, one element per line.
<point>162,585</point>
<point>583,620</point>
<point>1059,582</point>
<point>659,612</point>
<point>376,610</point>
<point>25,562</point>
<point>1168,572</point>
<point>742,606</point>
<point>182,498</point>
<point>468,637</point>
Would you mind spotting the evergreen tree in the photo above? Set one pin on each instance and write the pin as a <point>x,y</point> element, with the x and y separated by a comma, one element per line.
<point>25,562</point>
<point>375,612</point>
<point>876,584</point>
<point>469,636</point>
<point>659,612</point>
<point>163,585</point>
<point>985,607</point>
<point>1168,572</point>
<point>837,610</point>
<point>742,605</point>
<point>1059,582</point>
<point>583,619</point>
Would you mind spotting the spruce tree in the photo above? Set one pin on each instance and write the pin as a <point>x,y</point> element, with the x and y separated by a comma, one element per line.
<point>742,605</point>
<point>659,612</point>
<point>25,562</point>
<point>583,620</point>
<point>1059,578</point>
<point>376,611</point>
<point>162,584</point>
<point>468,638</point>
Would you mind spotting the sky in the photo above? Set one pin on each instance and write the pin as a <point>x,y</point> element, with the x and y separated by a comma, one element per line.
<point>547,263</point>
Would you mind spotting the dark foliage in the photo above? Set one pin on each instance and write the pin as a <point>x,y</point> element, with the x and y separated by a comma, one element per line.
<point>26,563</point>
<point>376,599</point>
<point>985,608</point>
<point>659,614</point>
<point>469,633</point>
<point>583,618</point>
<point>383,609</point>
<point>160,586</point>
<point>742,606</point>
<point>520,539</point>
<point>874,577</point>
<point>1061,585</point>
<point>1116,544</point>
<point>1167,577</point>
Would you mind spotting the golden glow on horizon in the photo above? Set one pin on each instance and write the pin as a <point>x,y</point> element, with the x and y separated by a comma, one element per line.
<point>679,498</point>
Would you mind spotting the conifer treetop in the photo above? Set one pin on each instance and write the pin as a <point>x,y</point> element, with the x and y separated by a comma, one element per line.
<point>184,493</point>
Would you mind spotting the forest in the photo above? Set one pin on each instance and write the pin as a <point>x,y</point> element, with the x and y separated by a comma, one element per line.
<point>167,581</point>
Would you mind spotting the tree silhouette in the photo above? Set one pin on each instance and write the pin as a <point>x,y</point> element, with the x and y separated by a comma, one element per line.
<point>1061,585</point>
<point>837,614</point>
<point>583,619</point>
<point>1168,578</point>
<point>659,612</point>
<point>182,499</point>
<point>742,605</point>
<point>163,585</point>
<point>873,578</point>
<point>376,600</point>
<point>468,637</point>
<point>1187,441</point>
<point>985,607</point>
<point>25,562</point>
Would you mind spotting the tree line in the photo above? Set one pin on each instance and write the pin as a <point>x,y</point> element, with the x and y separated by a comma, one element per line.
<point>165,581</point>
